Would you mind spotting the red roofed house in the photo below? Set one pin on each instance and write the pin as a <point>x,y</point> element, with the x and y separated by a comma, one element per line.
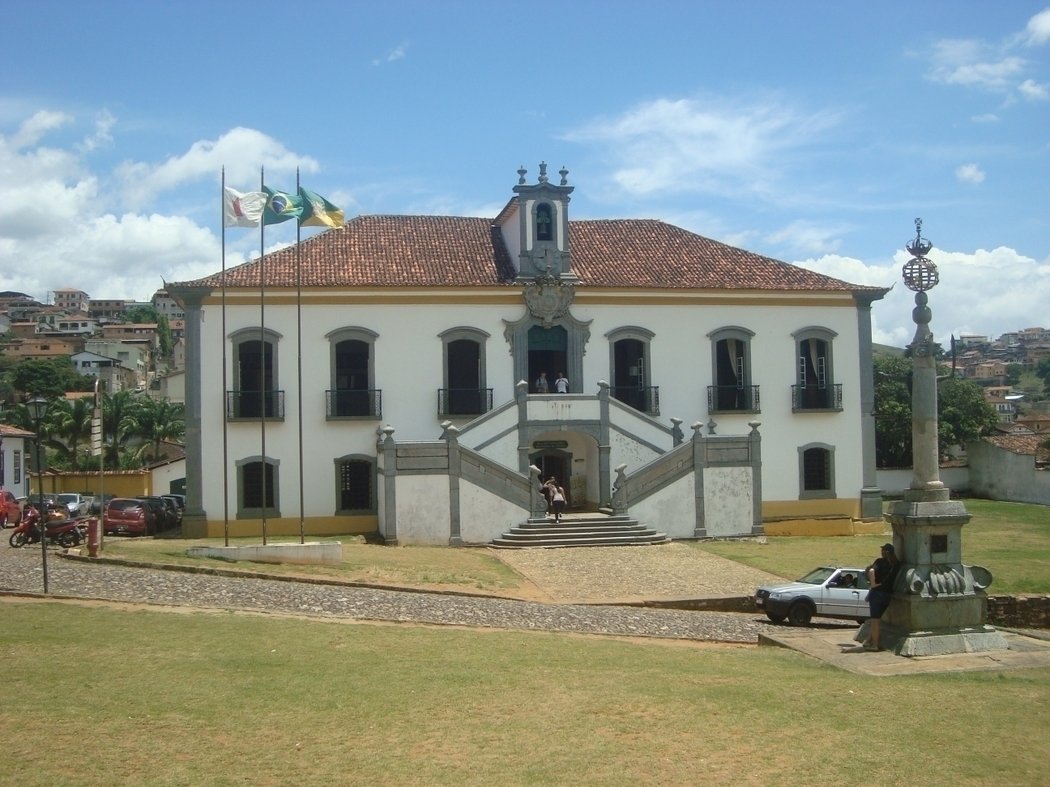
<point>420,339</point>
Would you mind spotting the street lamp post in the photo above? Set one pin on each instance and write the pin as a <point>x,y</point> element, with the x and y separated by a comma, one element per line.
<point>37,406</point>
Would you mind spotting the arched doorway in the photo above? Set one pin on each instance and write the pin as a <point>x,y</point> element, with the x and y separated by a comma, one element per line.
<point>548,352</point>
<point>555,463</point>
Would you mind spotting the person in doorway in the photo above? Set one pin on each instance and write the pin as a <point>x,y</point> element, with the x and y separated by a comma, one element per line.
<point>561,385</point>
<point>541,383</point>
<point>556,495</point>
<point>882,574</point>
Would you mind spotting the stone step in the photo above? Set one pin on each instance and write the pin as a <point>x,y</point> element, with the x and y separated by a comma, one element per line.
<point>579,530</point>
<point>602,541</point>
<point>576,531</point>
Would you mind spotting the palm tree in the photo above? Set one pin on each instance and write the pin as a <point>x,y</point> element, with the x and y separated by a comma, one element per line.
<point>68,424</point>
<point>115,408</point>
<point>154,421</point>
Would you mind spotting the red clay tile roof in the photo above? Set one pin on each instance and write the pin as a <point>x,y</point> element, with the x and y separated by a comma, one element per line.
<point>449,251</point>
<point>1022,444</point>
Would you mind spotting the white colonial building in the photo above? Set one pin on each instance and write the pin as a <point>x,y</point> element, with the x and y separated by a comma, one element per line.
<point>380,378</point>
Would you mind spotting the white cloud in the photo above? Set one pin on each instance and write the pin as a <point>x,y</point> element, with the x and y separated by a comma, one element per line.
<point>1033,91</point>
<point>399,52</point>
<point>36,127</point>
<point>687,145</point>
<point>241,151</point>
<point>969,173</point>
<point>102,137</point>
<point>987,292</point>
<point>61,225</point>
<point>988,117</point>
<point>1038,29</point>
<point>973,64</point>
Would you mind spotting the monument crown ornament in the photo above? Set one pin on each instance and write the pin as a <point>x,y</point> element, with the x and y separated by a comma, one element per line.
<point>919,273</point>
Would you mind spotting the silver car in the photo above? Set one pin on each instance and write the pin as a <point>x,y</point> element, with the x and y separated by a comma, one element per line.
<point>826,592</point>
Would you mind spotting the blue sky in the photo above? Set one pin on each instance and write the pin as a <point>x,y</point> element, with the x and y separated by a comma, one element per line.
<point>813,132</point>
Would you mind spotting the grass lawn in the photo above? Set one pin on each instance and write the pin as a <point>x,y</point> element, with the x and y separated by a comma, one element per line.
<point>1012,540</point>
<point>411,566</point>
<point>95,695</point>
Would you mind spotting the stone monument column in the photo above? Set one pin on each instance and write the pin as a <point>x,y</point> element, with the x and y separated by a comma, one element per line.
<point>939,603</point>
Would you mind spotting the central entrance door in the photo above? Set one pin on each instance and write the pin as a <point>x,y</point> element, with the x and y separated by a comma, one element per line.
<point>558,464</point>
<point>548,352</point>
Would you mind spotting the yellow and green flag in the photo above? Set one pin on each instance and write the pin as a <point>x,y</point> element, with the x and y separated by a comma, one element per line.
<point>319,212</point>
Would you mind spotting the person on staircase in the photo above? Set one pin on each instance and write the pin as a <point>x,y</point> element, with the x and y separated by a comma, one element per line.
<point>556,496</point>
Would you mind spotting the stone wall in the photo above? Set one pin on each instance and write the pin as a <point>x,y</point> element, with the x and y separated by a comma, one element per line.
<point>1032,612</point>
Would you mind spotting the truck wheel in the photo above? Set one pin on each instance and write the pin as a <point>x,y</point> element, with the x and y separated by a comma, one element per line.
<point>800,613</point>
<point>778,619</point>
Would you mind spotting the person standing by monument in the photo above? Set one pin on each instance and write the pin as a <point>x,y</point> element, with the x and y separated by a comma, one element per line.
<point>561,385</point>
<point>881,576</point>
<point>541,384</point>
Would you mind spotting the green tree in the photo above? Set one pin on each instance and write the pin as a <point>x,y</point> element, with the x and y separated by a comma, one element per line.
<point>892,411</point>
<point>167,344</point>
<point>143,314</point>
<point>115,409</point>
<point>1032,386</point>
<point>1042,371</point>
<point>154,421</point>
<point>50,377</point>
<point>963,413</point>
<point>69,427</point>
<point>1013,373</point>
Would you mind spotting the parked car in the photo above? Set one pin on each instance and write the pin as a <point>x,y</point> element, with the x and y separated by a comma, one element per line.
<point>10,509</point>
<point>127,515</point>
<point>99,503</point>
<point>76,504</point>
<point>826,592</point>
<point>166,514</point>
<point>180,503</point>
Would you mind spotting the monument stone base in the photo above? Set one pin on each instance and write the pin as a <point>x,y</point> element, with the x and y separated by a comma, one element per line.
<point>939,605</point>
<point>943,642</point>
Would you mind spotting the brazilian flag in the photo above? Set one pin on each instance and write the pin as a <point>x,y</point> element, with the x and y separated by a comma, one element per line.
<point>281,206</point>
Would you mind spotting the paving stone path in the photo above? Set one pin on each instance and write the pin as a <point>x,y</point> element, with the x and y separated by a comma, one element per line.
<point>20,572</point>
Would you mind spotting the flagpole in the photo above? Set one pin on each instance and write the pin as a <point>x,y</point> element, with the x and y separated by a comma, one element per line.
<point>225,420</point>
<point>299,348</point>
<point>262,350</point>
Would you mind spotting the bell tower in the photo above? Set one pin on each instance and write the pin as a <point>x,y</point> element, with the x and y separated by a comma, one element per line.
<point>543,216</point>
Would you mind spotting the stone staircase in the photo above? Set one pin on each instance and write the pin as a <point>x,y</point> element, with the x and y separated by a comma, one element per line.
<point>579,530</point>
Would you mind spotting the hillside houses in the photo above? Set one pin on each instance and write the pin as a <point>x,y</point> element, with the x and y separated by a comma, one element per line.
<point>94,335</point>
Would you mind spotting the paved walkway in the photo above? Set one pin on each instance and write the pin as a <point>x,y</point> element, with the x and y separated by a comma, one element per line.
<point>552,571</point>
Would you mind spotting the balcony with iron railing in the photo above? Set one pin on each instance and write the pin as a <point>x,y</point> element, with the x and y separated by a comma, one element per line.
<point>464,401</point>
<point>346,403</point>
<point>252,405</point>
<point>645,399</point>
<point>816,398</point>
<point>733,399</point>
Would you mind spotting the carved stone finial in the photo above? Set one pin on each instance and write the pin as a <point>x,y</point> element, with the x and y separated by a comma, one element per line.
<point>711,426</point>
<point>564,176</point>
<point>521,175</point>
<point>543,172</point>
<point>677,435</point>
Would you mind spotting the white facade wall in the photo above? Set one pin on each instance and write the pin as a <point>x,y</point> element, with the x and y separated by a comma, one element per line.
<point>484,515</point>
<point>728,501</point>
<point>408,366</point>
<point>671,510</point>
<point>423,509</point>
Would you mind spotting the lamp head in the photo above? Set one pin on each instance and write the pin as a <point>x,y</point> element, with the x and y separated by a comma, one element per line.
<point>37,406</point>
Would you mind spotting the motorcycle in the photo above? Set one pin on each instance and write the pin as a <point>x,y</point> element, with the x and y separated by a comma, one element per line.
<point>61,532</point>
